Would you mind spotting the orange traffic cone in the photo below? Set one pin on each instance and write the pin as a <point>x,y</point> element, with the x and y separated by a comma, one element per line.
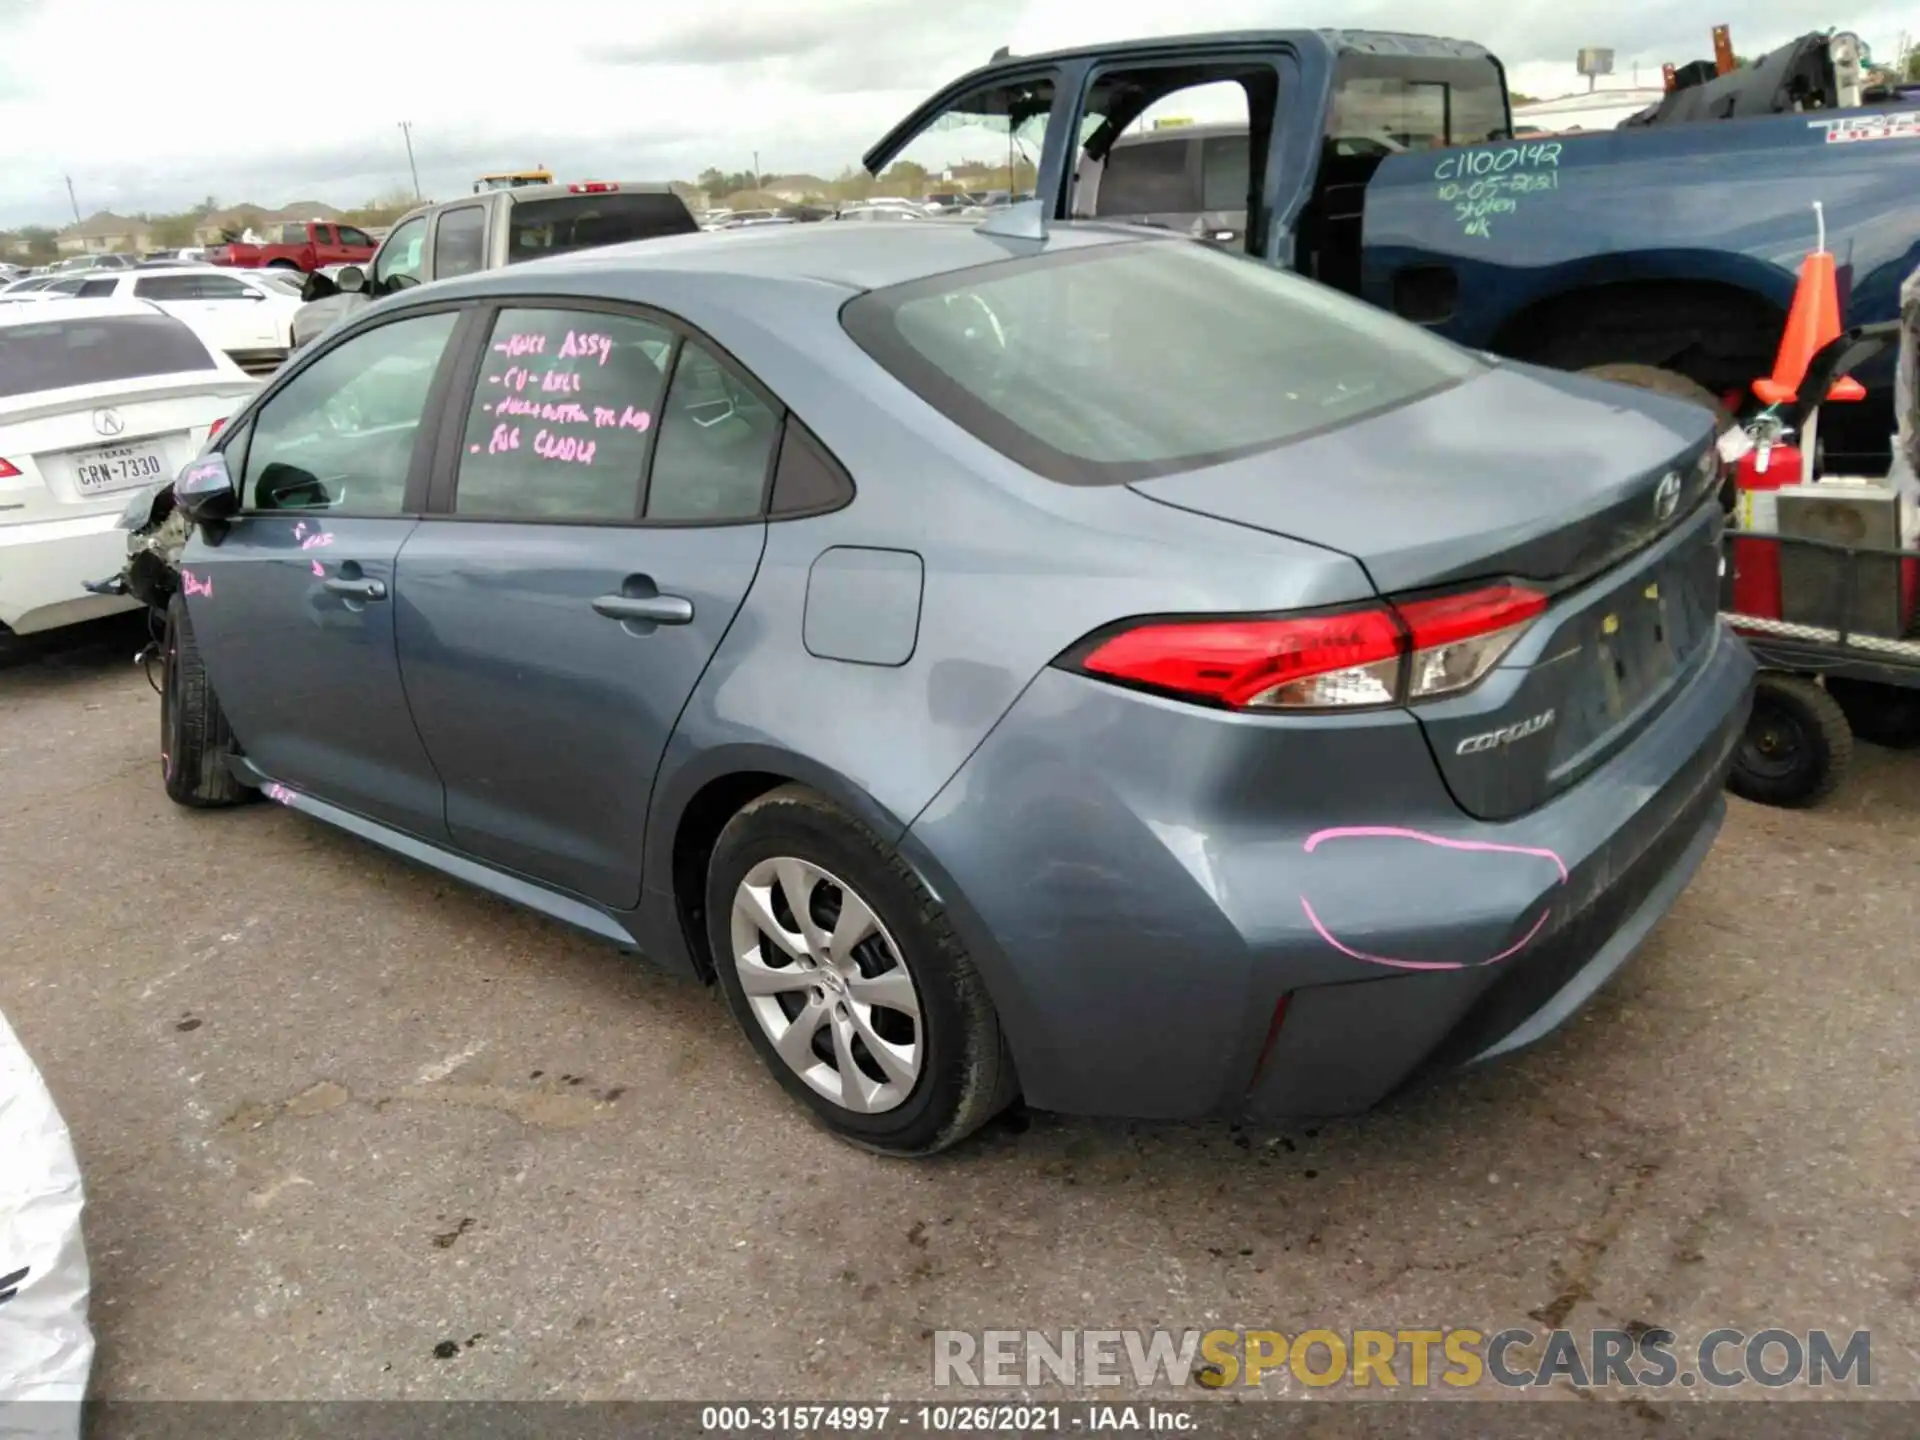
<point>1812,323</point>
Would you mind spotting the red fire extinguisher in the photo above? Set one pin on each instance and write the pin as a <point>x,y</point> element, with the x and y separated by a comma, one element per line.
<point>1767,467</point>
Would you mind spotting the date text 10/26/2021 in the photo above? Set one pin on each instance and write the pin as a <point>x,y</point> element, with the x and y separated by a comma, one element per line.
<point>581,347</point>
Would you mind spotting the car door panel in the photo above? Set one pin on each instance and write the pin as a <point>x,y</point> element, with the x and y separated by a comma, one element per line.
<point>549,636</point>
<point>294,604</point>
<point>546,718</point>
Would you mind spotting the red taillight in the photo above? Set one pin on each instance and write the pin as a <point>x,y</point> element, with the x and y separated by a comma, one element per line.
<point>8,470</point>
<point>1255,663</point>
<point>592,187</point>
<point>1382,655</point>
<point>217,426</point>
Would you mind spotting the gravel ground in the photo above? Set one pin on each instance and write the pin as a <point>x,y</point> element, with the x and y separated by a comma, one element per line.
<point>350,1130</point>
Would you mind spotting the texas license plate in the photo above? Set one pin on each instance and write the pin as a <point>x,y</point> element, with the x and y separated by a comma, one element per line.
<point>117,467</point>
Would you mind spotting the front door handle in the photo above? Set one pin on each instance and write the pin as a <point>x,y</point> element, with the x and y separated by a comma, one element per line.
<point>659,609</point>
<point>356,589</point>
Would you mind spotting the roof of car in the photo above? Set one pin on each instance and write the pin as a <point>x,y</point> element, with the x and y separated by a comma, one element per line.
<point>851,257</point>
<point>1340,42</point>
<point>101,308</point>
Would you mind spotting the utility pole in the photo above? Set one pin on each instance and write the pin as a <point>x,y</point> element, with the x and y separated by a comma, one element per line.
<point>70,200</point>
<point>406,130</point>
<point>756,169</point>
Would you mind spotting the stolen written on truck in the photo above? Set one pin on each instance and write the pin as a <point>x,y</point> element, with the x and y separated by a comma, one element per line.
<point>1663,255</point>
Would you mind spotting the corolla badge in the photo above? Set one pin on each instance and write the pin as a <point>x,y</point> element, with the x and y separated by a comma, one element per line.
<point>1494,739</point>
<point>107,421</point>
<point>1666,496</point>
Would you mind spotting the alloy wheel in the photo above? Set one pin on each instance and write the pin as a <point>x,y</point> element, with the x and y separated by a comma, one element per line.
<point>827,984</point>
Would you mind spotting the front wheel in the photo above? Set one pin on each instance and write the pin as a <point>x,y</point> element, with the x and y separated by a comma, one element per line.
<point>195,739</point>
<point>1797,745</point>
<point>849,980</point>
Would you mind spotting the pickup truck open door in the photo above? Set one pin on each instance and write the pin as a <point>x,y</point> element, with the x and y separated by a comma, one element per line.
<point>1318,105</point>
<point>1063,109</point>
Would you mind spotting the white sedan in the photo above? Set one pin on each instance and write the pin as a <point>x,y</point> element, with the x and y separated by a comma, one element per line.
<point>249,317</point>
<point>97,398</point>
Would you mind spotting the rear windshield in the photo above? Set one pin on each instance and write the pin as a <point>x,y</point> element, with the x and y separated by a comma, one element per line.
<point>1105,365</point>
<point>538,228</point>
<point>60,353</point>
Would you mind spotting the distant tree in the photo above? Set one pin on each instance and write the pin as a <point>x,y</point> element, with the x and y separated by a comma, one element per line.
<point>172,232</point>
<point>1520,97</point>
<point>41,247</point>
<point>906,172</point>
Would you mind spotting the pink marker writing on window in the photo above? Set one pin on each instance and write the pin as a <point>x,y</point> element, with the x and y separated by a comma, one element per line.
<point>192,584</point>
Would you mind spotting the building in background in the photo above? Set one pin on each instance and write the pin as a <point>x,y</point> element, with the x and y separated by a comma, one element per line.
<point>104,233</point>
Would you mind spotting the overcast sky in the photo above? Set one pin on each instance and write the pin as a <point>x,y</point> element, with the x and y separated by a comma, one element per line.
<point>154,107</point>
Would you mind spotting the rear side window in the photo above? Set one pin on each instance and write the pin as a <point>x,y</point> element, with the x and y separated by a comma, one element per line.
<point>61,353</point>
<point>459,242</point>
<point>584,222</point>
<point>1120,362</point>
<point>1148,178</point>
<point>96,289</point>
<point>715,447</point>
<point>563,418</point>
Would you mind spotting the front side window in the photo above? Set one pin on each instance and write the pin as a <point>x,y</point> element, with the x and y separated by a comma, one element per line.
<point>218,287</point>
<point>61,353</point>
<point>716,443</point>
<point>1112,364</point>
<point>341,435</point>
<point>399,262</point>
<point>459,242</point>
<point>563,417</point>
<point>165,287</point>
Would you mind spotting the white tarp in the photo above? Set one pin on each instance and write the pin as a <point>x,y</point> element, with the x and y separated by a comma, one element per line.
<point>1906,392</point>
<point>46,1347</point>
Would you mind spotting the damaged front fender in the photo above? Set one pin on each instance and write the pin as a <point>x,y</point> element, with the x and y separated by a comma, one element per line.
<point>157,531</point>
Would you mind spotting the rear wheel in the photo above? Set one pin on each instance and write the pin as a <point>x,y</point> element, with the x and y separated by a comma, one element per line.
<point>1666,382</point>
<point>1796,747</point>
<point>195,739</point>
<point>1880,714</point>
<point>847,977</point>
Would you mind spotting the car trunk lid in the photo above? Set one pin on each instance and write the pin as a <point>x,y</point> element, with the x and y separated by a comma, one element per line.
<point>72,453</point>
<point>1516,475</point>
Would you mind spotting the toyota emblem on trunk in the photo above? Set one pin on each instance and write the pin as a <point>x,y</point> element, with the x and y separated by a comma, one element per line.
<point>1666,497</point>
<point>108,422</point>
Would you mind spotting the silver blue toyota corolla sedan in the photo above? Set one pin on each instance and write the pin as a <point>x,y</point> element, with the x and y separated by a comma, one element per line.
<point>1087,665</point>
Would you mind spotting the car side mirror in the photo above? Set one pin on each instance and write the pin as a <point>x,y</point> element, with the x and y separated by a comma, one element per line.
<point>351,280</point>
<point>204,491</point>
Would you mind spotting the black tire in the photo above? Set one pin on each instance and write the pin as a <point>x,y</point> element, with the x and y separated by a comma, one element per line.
<point>1797,745</point>
<point>282,265</point>
<point>965,1075</point>
<point>195,739</point>
<point>1666,382</point>
<point>1879,714</point>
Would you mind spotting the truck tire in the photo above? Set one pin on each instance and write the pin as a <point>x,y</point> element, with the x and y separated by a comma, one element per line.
<point>1797,744</point>
<point>1879,714</point>
<point>195,739</point>
<point>1665,382</point>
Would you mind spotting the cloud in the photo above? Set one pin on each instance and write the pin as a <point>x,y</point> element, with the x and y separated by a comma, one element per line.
<point>174,110</point>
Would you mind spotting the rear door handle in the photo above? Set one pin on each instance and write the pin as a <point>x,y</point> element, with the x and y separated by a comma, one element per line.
<point>660,609</point>
<point>357,589</point>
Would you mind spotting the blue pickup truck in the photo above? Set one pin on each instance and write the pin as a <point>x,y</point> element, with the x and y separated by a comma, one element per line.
<point>1386,165</point>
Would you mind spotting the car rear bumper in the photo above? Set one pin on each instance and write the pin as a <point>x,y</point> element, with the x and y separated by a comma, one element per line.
<point>44,567</point>
<point>1143,883</point>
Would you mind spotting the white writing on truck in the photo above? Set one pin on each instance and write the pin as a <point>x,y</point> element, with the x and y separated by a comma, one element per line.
<point>1900,125</point>
<point>1483,183</point>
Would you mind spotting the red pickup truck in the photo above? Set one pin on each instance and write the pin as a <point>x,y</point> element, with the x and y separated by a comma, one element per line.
<point>299,247</point>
